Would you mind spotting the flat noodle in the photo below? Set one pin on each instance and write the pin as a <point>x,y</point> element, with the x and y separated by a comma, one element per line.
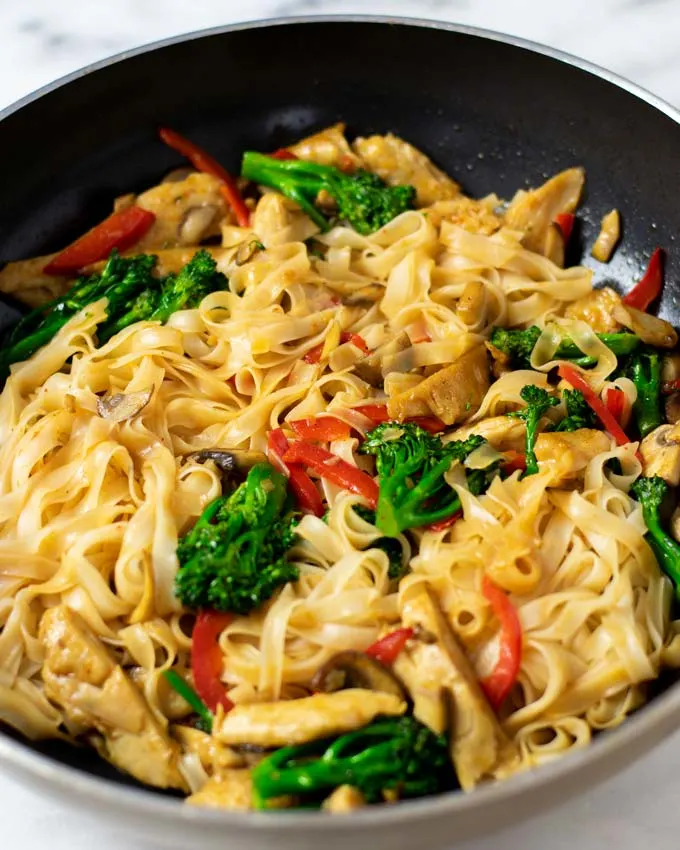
<point>91,509</point>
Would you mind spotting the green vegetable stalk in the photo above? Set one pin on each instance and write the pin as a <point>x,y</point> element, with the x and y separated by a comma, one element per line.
<point>365,201</point>
<point>519,345</point>
<point>400,754</point>
<point>651,492</point>
<point>538,402</point>
<point>644,369</point>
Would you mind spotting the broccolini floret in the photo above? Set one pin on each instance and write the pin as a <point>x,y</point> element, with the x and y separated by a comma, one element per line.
<point>519,345</point>
<point>538,402</point>
<point>579,413</point>
<point>651,492</point>
<point>411,465</point>
<point>234,557</point>
<point>644,370</point>
<point>400,755</point>
<point>365,201</point>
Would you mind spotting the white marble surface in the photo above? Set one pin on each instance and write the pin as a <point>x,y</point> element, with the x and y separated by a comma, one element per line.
<point>43,39</point>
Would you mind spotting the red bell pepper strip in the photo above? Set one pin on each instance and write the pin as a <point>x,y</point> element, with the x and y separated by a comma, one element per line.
<point>301,484</point>
<point>649,287</point>
<point>377,413</point>
<point>565,222</point>
<point>616,402</point>
<point>321,429</point>
<point>578,382</point>
<point>388,648</point>
<point>514,461</point>
<point>334,469</point>
<point>314,354</point>
<point>206,659</point>
<point>283,154</point>
<point>444,524</point>
<point>202,161</point>
<point>121,231</point>
<point>497,684</point>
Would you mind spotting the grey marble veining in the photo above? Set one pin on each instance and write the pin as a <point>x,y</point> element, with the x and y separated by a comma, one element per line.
<point>44,39</point>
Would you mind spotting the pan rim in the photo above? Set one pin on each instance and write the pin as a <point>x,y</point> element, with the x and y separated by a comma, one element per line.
<point>648,727</point>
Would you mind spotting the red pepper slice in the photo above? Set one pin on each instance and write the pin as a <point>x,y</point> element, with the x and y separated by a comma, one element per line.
<point>321,429</point>
<point>207,661</point>
<point>497,684</point>
<point>388,648</point>
<point>301,484</point>
<point>443,524</point>
<point>649,287</point>
<point>565,222</point>
<point>514,461</point>
<point>314,354</point>
<point>202,161</point>
<point>283,154</point>
<point>334,469</point>
<point>120,230</point>
<point>616,402</point>
<point>578,382</point>
<point>377,413</point>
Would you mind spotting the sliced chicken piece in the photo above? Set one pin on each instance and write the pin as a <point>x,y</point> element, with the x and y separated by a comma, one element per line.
<point>328,147</point>
<point>502,432</point>
<point>290,722</point>
<point>346,798</point>
<point>597,310</point>
<point>81,677</point>
<point>651,329</point>
<point>277,220</point>
<point>454,393</point>
<point>534,212</point>
<point>568,453</point>
<point>446,694</point>
<point>187,212</point>
<point>473,216</point>
<point>25,281</point>
<point>374,368</point>
<point>230,789</point>
<point>215,757</point>
<point>398,163</point>
<point>660,452</point>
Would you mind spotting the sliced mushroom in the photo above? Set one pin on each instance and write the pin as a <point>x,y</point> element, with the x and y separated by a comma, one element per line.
<point>660,452</point>
<point>376,365</point>
<point>229,461</point>
<point>196,222</point>
<point>353,669</point>
<point>247,251</point>
<point>118,407</point>
<point>672,408</point>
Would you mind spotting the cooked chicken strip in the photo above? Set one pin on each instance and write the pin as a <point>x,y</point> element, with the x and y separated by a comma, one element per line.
<point>597,310</point>
<point>501,432</point>
<point>290,722</point>
<point>568,453</point>
<point>446,693</point>
<point>230,789</point>
<point>25,281</point>
<point>398,162</point>
<point>454,393</point>
<point>328,147</point>
<point>660,452</point>
<point>81,677</point>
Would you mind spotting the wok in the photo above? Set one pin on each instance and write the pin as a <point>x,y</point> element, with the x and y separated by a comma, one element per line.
<point>498,114</point>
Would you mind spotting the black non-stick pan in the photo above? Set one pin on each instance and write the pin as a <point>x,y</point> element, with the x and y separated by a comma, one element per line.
<point>495,113</point>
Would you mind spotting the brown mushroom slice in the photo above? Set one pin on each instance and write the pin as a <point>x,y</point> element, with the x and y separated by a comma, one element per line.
<point>660,453</point>
<point>353,669</point>
<point>651,329</point>
<point>376,365</point>
<point>196,222</point>
<point>672,408</point>
<point>230,460</point>
<point>117,407</point>
<point>534,212</point>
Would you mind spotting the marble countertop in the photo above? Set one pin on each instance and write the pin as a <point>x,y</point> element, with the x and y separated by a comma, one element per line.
<point>44,39</point>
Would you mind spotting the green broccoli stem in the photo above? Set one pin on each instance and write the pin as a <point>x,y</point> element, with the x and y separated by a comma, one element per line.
<point>519,344</point>
<point>651,492</point>
<point>538,401</point>
<point>644,369</point>
<point>189,695</point>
